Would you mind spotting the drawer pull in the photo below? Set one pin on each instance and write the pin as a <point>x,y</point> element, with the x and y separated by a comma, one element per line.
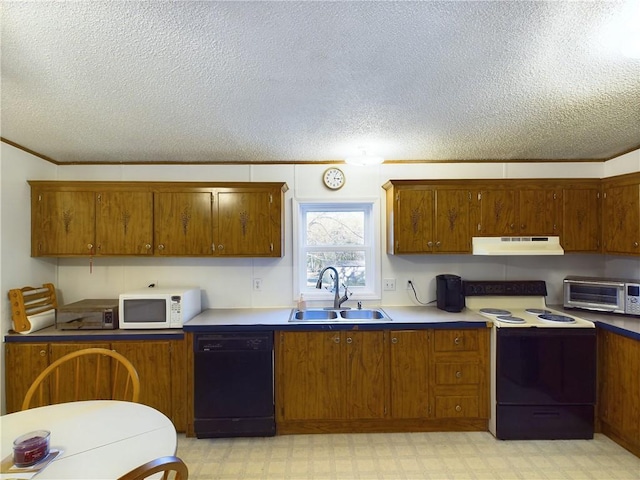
<point>458,408</point>
<point>336,340</point>
<point>43,353</point>
<point>349,340</point>
<point>458,374</point>
<point>394,340</point>
<point>456,340</point>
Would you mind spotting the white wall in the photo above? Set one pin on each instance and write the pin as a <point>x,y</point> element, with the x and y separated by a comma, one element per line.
<point>17,268</point>
<point>228,282</point>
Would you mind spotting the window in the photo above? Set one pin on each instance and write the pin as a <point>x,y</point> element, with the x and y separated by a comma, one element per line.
<point>340,235</point>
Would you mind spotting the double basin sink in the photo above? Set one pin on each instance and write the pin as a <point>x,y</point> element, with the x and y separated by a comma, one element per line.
<point>345,315</point>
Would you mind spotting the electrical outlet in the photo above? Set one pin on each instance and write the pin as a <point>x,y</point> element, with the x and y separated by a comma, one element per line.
<point>389,284</point>
<point>409,283</point>
<point>257,284</point>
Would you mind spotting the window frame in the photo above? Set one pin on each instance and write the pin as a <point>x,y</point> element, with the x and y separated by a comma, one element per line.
<point>371,207</point>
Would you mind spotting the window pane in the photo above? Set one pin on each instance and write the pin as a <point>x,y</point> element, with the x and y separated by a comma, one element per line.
<point>350,266</point>
<point>335,228</point>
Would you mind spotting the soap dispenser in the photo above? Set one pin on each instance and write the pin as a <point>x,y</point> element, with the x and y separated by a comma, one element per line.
<point>302,304</point>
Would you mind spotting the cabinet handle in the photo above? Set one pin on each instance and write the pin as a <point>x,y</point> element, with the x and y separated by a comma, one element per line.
<point>430,244</point>
<point>458,374</point>
<point>522,227</point>
<point>89,246</point>
<point>456,340</point>
<point>458,408</point>
<point>394,340</point>
<point>336,340</point>
<point>148,246</point>
<point>161,246</point>
<point>437,243</point>
<point>220,247</point>
<point>43,353</point>
<point>635,244</point>
<point>349,340</point>
<point>512,226</point>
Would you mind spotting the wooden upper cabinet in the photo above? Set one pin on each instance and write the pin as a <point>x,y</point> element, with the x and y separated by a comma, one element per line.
<point>124,223</point>
<point>497,212</point>
<point>537,211</point>
<point>62,222</point>
<point>183,223</point>
<point>621,219</point>
<point>518,210</point>
<point>421,219</point>
<point>246,223</point>
<point>581,219</point>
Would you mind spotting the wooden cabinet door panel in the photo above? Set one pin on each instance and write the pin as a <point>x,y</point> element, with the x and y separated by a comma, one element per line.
<point>23,363</point>
<point>243,223</point>
<point>621,218</point>
<point>414,223</point>
<point>183,223</point>
<point>64,223</point>
<point>87,386</point>
<point>536,212</point>
<point>124,223</point>
<point>457,373</point>
<point>498,210</point>
<point>312,375</point>
<point>581,220</point>
<point>455,340</point>
<point>152,361</point>
<point>452,229</point>
<point>364,387</point>
<point>409,372</point>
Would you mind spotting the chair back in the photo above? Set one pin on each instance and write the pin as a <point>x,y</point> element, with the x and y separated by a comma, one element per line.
<point>88,374</point>
<point>162,464</point>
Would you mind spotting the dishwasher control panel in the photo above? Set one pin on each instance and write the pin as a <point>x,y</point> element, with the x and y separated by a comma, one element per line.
<point>224,342</point>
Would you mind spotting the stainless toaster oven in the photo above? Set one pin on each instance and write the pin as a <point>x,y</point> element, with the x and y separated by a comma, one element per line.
<point>614,295</point>
<point>90,314</point>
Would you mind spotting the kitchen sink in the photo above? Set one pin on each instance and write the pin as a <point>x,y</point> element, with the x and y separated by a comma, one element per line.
<point>337,315</point>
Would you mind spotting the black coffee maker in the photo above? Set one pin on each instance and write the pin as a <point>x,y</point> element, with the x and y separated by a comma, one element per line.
<point>449,293</point>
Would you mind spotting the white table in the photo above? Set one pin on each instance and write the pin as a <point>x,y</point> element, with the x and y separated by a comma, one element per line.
<point>100,439</point>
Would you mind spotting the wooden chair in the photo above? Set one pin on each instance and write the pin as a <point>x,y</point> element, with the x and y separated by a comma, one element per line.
<point>162,464</point>
<point>87,374</point>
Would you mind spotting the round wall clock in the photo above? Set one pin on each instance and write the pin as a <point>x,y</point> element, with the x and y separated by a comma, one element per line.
<point>333,178</point>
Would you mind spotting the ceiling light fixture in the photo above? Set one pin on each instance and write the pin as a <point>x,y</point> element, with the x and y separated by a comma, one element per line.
<point>364,159</point>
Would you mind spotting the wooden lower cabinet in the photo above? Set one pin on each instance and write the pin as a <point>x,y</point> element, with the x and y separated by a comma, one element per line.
<point>161,367</point>
<point>619,389</point>
<point>381,381</point>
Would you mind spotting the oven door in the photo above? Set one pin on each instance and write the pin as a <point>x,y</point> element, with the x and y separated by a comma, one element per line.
<point>545,383</point>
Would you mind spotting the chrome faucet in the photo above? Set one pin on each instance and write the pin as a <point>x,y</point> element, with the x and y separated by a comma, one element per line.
<point>337,299</point>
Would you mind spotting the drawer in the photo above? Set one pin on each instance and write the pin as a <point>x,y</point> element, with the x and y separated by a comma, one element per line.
<point>455,340</point>
<point>457,373</point>
<point>457,406</point>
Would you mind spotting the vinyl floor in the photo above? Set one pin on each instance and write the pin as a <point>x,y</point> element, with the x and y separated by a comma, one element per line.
<point>405,456</point>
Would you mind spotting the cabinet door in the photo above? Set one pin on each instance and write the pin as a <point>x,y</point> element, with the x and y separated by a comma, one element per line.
<point>183,223</point>
<point>498,210</point>
<point>581,220</point>
<point>243,225</point>
<point>452,232</point>
<point>152,361</point>
<point>23,363</point>
<point>364,390</point>
<point>124,223</point>
<point>621,219</point>
<point>63,223</point>
<point>86,386</point>
<point>409,369</point>
<point>537,212</point>
<point>414,221</point>
<point>311,376</point>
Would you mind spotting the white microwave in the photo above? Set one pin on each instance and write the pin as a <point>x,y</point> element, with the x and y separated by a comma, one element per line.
<point>158,307</point>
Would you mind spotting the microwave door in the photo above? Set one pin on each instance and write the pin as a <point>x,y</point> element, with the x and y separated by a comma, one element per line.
<point>146,311</point>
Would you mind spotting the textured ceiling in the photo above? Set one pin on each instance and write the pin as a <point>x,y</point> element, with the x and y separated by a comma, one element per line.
<point>189,81</point>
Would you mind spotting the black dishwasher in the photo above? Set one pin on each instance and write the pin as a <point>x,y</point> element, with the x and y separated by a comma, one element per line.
<point>233,385</point>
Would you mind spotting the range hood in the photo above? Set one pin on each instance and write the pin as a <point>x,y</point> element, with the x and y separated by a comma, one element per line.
<point>517,246</point>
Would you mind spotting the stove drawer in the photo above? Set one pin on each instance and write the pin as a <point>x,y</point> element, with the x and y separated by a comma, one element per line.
<point>457,406</point>
<point>551,422</point>
<point>456,340</point>
<point>457,373</point>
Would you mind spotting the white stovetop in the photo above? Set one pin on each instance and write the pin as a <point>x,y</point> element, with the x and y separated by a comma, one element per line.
<point>517,306</point>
